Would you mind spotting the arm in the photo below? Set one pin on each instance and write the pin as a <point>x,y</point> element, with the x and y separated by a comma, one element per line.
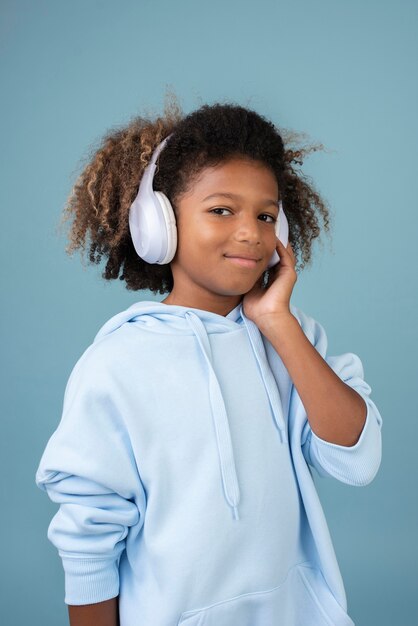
<point>357,464</point>
<point>336,412</point>
<point>104,613</point>
<point>339,426</point>
<point>89,469</point>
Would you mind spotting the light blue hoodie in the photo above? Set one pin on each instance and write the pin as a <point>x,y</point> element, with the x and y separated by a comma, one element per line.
<point>181,465</point>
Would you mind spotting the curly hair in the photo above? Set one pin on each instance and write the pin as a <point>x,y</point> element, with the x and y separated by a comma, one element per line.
<point>101,197</point>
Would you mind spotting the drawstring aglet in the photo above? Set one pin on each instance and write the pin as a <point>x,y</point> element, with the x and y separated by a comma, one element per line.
<point>235,511</point>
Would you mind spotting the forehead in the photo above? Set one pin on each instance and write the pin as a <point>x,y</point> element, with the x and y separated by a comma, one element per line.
<point>233,175</point>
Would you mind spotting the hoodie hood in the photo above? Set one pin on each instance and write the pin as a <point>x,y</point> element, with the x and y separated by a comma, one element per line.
<point>173,319</point>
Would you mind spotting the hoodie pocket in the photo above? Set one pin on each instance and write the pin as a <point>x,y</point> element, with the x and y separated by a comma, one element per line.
<point>302,598</point>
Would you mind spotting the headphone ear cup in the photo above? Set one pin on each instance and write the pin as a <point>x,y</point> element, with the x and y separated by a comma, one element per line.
<point>169,220</point>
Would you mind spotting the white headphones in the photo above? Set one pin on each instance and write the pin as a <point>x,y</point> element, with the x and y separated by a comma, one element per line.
<point>152,222</point>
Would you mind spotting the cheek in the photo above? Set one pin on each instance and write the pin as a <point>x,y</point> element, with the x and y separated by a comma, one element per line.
<point>201,235</point>
<point>271,238</point>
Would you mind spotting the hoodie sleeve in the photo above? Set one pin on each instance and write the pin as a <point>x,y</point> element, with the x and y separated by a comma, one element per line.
<point>355,465</point>
<point>88,468</point>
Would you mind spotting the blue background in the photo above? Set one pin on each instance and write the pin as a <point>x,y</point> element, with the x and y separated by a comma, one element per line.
<point>343,72</point>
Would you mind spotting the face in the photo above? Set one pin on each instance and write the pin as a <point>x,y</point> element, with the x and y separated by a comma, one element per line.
<point>212,231</point>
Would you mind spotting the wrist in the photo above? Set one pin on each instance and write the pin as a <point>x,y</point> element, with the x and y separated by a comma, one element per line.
<point>276,322</point>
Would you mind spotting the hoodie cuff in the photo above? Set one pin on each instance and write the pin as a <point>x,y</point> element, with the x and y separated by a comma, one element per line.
<point>90,580</point>
<point>357,464</point>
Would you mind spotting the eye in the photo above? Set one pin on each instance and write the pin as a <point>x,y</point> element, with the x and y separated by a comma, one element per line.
<point>218,209</point>
<point>273,219</point>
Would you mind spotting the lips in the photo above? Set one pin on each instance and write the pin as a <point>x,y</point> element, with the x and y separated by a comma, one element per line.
<point>243,261</point>
<point>242,256</point>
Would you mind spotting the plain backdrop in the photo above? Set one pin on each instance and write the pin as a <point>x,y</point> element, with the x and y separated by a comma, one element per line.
<point>343,72</point>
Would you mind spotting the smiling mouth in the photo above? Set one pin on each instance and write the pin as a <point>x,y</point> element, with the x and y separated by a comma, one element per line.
<point>241,261</point>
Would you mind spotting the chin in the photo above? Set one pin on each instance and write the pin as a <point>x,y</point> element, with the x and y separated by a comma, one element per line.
<point>239,291</point>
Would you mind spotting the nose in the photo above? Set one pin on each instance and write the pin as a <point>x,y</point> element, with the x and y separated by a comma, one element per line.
<point>248,229</point>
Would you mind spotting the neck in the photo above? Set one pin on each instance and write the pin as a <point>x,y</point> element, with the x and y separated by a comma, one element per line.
<point>220,307</point>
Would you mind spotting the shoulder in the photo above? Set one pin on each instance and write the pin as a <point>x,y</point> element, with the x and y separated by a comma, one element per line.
<point>104,360</point>
<point>310,326</point>
<point>302,317</point>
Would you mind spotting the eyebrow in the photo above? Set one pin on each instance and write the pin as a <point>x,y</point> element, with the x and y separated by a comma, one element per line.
<point>237,196</point>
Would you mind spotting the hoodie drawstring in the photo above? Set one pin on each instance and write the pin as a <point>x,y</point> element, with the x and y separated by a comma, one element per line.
<point>267,375</point>
<point>219,414</point>
<point>223,435</point>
